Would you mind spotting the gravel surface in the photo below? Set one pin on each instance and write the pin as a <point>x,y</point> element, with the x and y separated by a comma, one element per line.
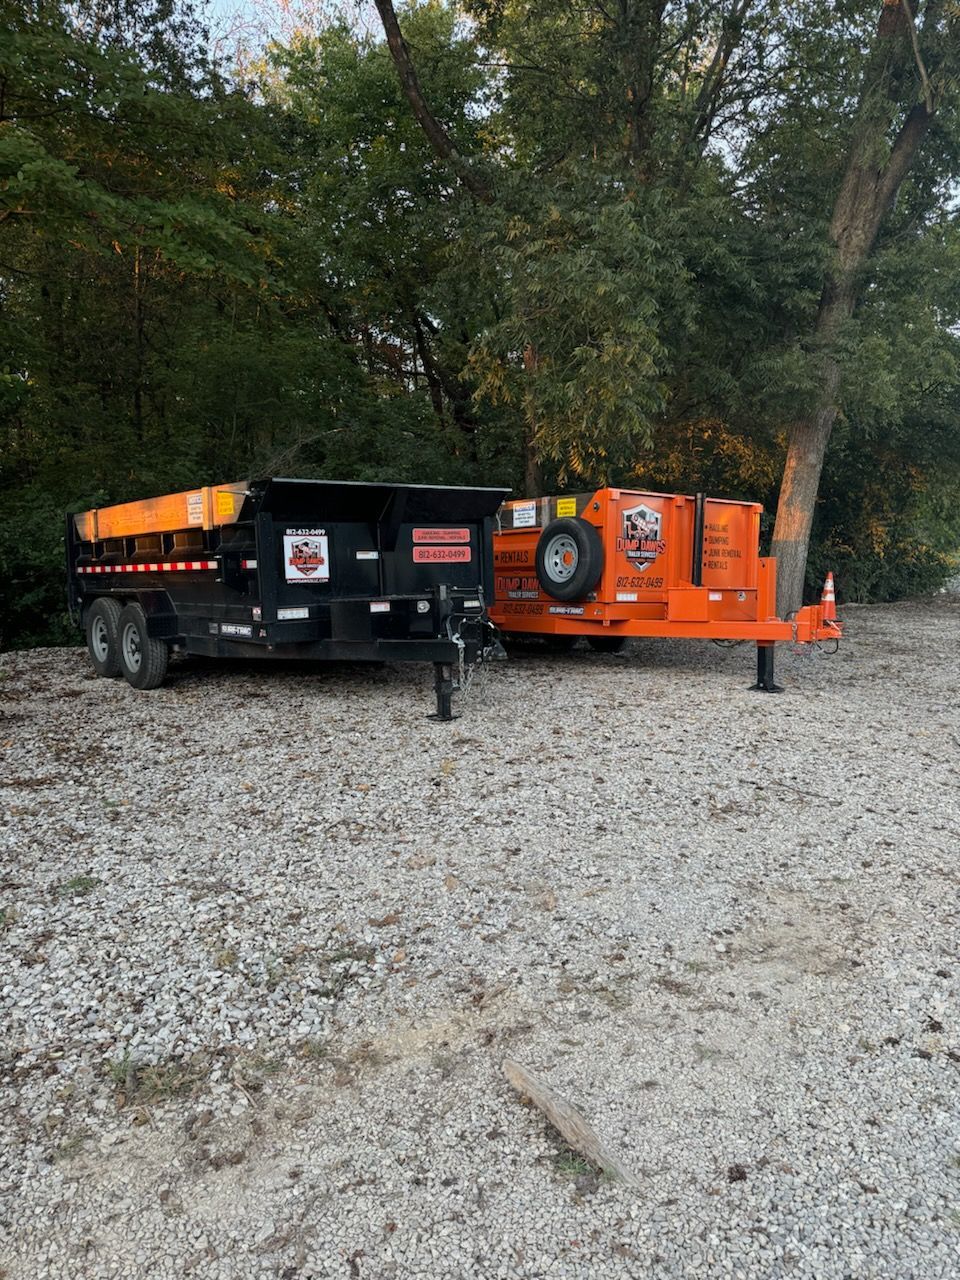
<point>268,934</point>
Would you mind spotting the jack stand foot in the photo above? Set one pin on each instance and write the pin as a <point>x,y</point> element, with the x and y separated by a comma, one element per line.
<point>765,681</point>
<point>443,686</point>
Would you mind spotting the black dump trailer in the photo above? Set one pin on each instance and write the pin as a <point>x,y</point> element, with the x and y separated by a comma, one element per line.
<point>281,568</point>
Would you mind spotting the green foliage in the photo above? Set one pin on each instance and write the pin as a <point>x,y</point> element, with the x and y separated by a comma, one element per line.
<point>203,278</point>
<point>578,352</point>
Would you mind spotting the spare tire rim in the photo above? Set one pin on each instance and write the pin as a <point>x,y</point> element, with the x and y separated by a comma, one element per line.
<point>561,557</point>
<point>131,647</point>
<point>99,639</point>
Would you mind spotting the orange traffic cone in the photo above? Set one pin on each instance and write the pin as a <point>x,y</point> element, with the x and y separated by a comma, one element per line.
<point>828,600</point>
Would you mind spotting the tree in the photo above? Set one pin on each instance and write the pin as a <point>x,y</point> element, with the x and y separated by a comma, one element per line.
<point>904,77</point>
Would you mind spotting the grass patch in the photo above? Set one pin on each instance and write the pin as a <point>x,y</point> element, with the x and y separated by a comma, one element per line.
<point>71,1148</point>
<point>147,1083</point>
<point>252,1069</point>
<point>119,1069</point>
<point>706,1053</point>
<point>571,1164</point>
<point>79,884</point>
<point>315,1050</point>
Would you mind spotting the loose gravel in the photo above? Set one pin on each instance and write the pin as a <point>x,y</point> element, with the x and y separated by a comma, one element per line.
<point>268,934</point>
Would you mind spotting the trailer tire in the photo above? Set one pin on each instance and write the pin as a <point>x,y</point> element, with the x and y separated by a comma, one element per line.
<point>569,558</point>
<point>606,644</point>
<point>101,626</point>
<point>143,660</point>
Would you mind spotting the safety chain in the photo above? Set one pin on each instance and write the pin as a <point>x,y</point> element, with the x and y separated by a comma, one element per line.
<point>468,677</point>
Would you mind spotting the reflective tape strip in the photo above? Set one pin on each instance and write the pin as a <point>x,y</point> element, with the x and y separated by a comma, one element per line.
<point>172,566</point>
<point>248,564</point>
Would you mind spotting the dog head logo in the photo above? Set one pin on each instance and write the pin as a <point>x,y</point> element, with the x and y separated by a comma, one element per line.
<point>306,556</point>
<point>640,537</point>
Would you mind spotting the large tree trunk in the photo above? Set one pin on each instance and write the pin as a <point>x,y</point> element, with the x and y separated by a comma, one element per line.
<point>866,193</point>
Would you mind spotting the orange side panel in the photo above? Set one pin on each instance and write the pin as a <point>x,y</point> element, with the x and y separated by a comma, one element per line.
<point>205,508</point>
<point>688,604</point>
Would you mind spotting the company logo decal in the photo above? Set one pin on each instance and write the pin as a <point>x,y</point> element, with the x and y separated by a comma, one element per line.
<point>640,537</point>
<point>306,556</point>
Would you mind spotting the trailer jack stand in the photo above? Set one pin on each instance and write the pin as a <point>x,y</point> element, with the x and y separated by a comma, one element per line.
<point>765,681</point>
<point>443,685</point>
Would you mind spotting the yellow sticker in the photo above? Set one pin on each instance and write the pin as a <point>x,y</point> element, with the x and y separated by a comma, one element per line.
<point>566,506</point>
<point>224,503</point>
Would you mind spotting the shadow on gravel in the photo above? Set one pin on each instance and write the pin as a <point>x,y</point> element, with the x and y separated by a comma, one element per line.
<point>661,654</point>
<point>258,679</point>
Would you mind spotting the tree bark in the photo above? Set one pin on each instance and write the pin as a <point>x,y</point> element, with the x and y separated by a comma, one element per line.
<point>866,194</point>
<point>568,1122</point>
<point>532,466</point>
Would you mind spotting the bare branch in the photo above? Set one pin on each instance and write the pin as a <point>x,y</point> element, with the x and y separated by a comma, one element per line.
<point>924,78</point>
<point>437,136</point>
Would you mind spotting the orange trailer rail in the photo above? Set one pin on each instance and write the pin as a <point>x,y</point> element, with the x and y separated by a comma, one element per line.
<point>621,562</point>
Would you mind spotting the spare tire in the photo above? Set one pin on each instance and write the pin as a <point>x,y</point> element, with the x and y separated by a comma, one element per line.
<point>569,558</point>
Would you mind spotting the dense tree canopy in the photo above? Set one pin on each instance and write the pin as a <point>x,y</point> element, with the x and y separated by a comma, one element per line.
<point>613,273</point>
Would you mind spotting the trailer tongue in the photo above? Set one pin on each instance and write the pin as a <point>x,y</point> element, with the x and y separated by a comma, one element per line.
<point>281,568</point>
<point>619,562</point>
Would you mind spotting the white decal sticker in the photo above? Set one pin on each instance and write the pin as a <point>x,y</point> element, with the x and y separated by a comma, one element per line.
<point>626,597</point>
<point>379,606</point>
<point>306,555</point>
<point>574,610</point>
<point>289,615</point>
<point>194,508</point>
<point>714,595</point>
<point>235,629</point>
<point>368,555</point>
<point>524,515</point>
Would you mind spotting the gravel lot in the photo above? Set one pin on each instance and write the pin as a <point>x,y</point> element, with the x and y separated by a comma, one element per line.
<point>267,936</point>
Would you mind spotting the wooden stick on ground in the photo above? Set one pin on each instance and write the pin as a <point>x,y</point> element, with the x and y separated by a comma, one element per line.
<point>567,1121</point>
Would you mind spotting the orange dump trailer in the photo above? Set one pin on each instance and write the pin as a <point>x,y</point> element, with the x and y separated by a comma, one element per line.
<point>621,562</point>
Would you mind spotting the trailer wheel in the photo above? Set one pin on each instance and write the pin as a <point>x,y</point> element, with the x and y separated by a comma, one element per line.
<point>103,640</point>
<point>606,644</point>
<point>569,558</point>
<point>143,660</point>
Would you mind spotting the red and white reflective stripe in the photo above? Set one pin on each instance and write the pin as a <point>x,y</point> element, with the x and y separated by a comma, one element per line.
<point>248,564</point>
<point>170,566</point>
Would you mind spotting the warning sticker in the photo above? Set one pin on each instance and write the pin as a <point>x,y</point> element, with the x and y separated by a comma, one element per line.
<point>306,556</point>
<point>224,503</point>
<point>566,506</point>
<point>194,508</point>
<point>441,535</point>
<point>524,515</point>
<point>444,555</point>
